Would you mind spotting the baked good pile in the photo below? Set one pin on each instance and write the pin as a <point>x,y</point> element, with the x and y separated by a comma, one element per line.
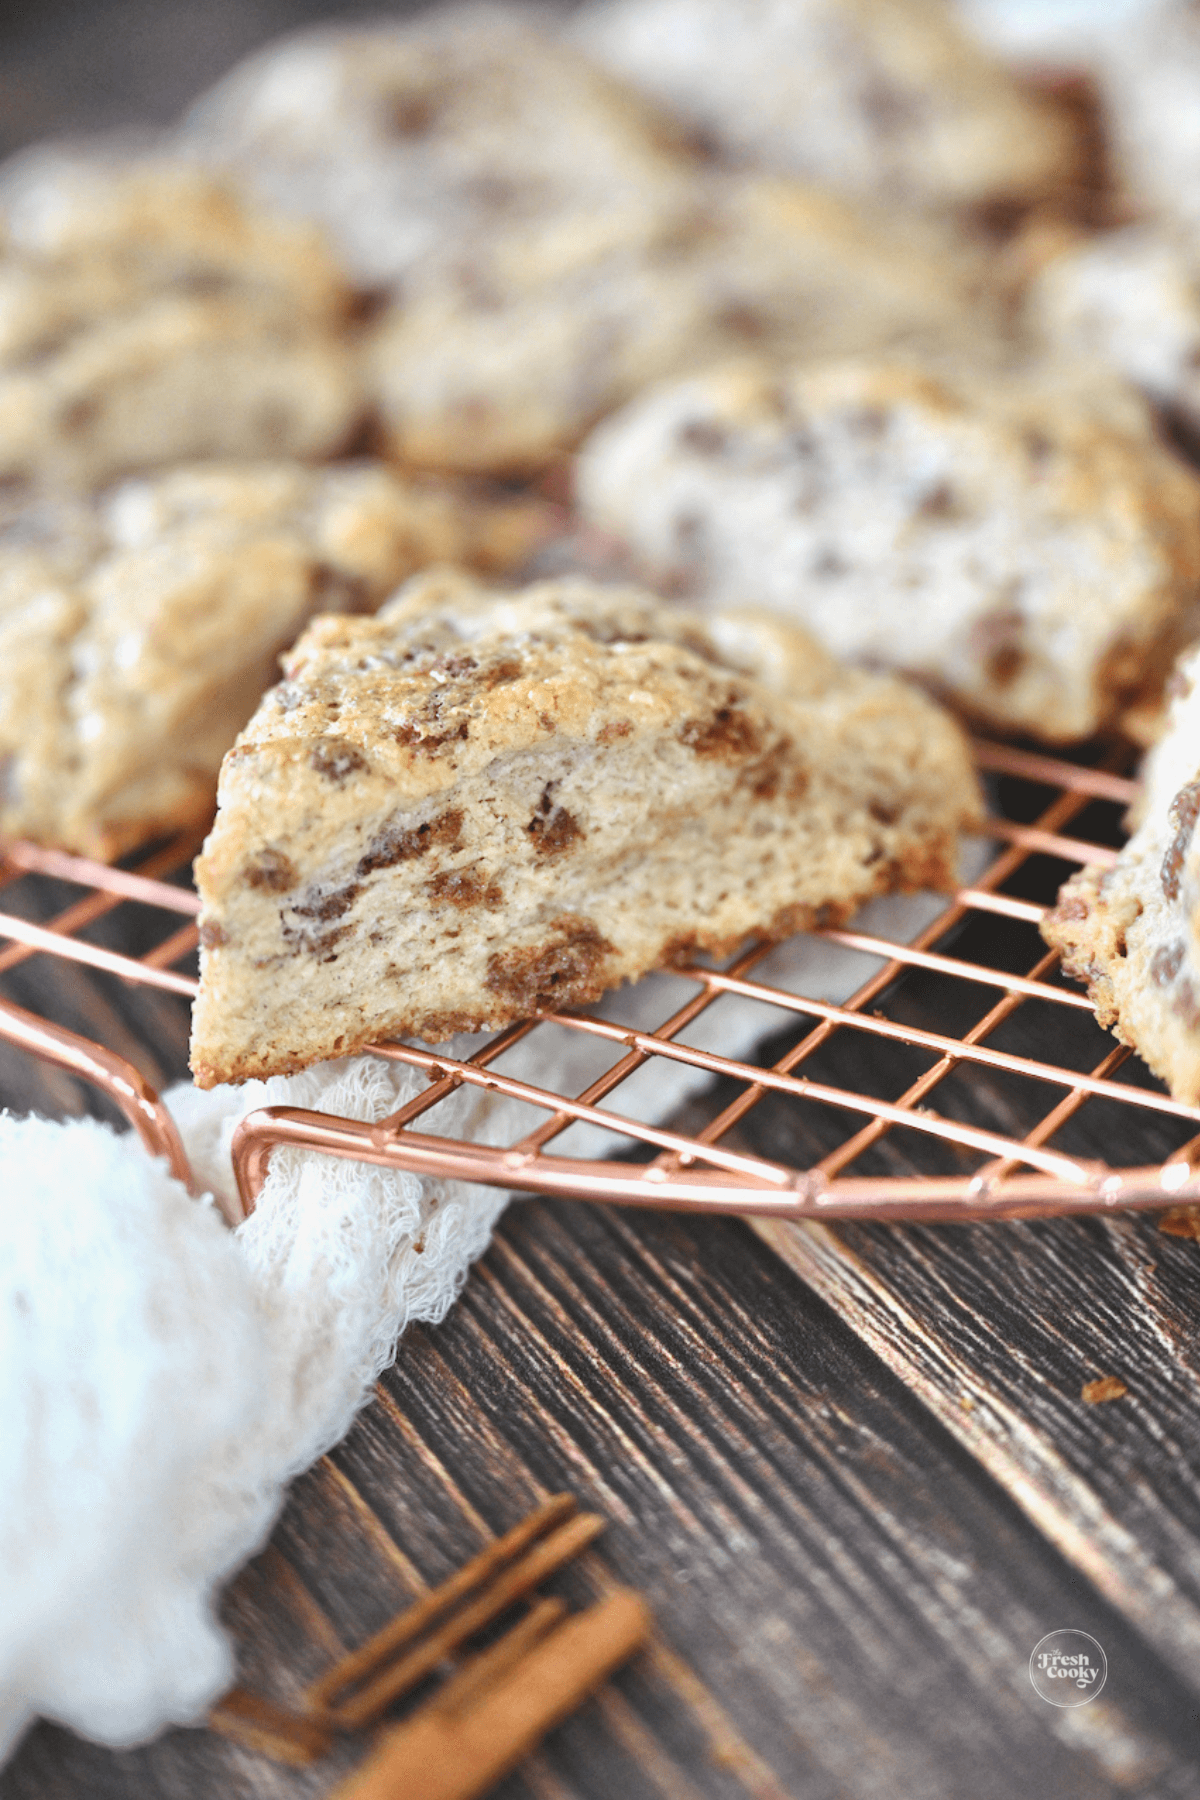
<point>811,382</point>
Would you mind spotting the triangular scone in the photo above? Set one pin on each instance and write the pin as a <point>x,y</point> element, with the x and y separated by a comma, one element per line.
<point>1132,932</point>
<point>1021,542</point>
<point>474,807</point>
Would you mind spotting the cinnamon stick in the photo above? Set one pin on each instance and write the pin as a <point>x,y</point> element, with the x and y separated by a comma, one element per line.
<point>457,1755</point>
<point>259,1724</point>
<point>323,1694</point>
<point>479,1672</point>
<point>365,1706</point>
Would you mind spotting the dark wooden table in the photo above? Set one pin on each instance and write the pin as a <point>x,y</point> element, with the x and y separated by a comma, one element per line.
<point>851,1468</point>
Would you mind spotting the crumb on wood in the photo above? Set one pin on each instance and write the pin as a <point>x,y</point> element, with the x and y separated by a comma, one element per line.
<point>732,1756</point>
<point>1106,1387</point>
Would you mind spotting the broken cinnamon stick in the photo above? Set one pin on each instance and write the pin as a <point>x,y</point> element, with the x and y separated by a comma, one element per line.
<point>367,1705</point>
<point>259,1724</point>
<point>457,1755</point>
<point>480,1671</point>
<point>324,1694</point>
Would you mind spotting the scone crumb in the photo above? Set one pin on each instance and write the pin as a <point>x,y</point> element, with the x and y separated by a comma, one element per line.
<point>1181,1222</point>
<point>1106,1387</point>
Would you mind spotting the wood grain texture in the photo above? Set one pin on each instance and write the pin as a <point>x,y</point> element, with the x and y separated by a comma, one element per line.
<point>844,1604</point>
<point>998,1329</point>
<point>999,1345</point>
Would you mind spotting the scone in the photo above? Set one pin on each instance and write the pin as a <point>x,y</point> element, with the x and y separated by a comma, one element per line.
<point>138,630</point>
<point>413,141</point>
<point>474,807</point>
<point>149,314</point>
<point>1132,932</point>
<point>505,361</point>
<point>1025,548</point>
<point>886,99</point>
<point>1131,299</point>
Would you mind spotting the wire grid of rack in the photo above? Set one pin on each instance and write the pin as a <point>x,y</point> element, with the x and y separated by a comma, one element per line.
<point>963,1003</point>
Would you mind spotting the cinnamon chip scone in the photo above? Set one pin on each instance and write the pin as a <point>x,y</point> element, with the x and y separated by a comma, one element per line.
<point>474,806</point>
<point>507,361</point>
<point>138,630</point>
<point>1026,548</point>
<point>1132,932</point>
<point>1131,299</point>
<point>412,141</point>
<point>149,314</point>
<point>887,99</point>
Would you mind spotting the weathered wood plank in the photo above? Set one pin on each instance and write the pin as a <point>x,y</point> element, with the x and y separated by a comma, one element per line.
<point>999,1345</point>
<point>844,1605</point>
<point>997,1328</point>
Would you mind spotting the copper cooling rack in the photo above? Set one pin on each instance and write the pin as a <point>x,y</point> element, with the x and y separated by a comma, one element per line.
<point>978,982</point>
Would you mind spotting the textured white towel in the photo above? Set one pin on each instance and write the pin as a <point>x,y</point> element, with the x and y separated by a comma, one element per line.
<point>161,1379</point>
